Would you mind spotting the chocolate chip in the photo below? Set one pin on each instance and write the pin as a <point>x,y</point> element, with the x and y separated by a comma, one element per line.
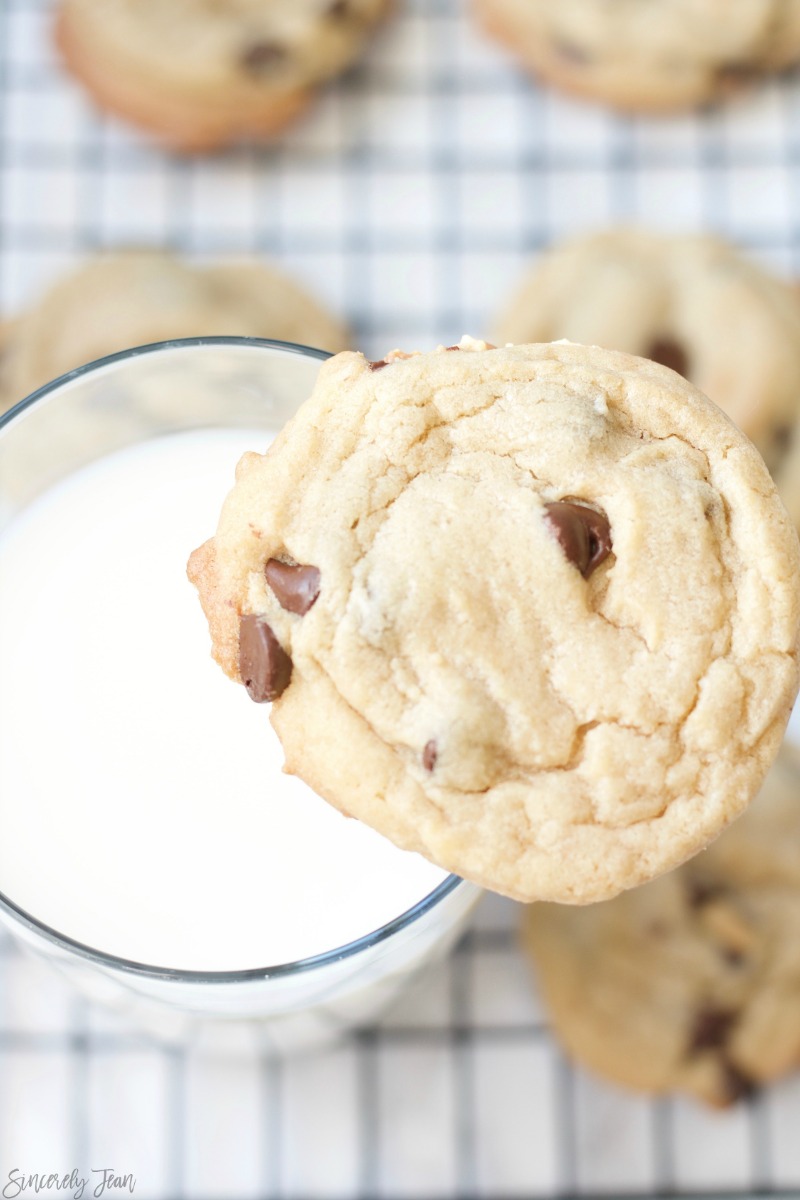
<point>737,74</point>
<point>583,533</point>
<point>711,1029</point>
<point>260,58</point>
<point>452,347</point>
<point>702,891</point>
<point>339,10</point>
<point>568,52</point>
<point>734,958</point>
<point>657,929</point>
<point>295,586</point>
<point>430,755</point>
<point>735,1084</point>
<point>264,666</point>
<point>782,438</point>
<point>377,366</point>
<point>670,354</point>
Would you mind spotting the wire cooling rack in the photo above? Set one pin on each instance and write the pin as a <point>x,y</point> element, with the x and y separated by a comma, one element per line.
<point>410,201</point>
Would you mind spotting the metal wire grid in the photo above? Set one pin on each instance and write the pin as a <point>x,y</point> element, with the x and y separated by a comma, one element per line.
<point>459,1093</point>
<point>409,201</point>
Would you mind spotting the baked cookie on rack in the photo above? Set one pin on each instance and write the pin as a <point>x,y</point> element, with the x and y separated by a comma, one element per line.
<point>203,73</point>
<point>530,611</point>
<point>691,983</point>
<point>693,303</point>
<point>659,56</point>
<point>129,299</point>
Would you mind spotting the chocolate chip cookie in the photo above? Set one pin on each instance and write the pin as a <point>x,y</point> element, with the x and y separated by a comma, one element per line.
<point>202,73</point>
<point>691,983</point>
<point>693,303</point>
<point>657,56</point>
<point>530,611</point>
<point>123,300</point>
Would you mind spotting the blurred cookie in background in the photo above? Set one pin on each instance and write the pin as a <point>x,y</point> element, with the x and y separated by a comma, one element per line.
<point>661,55</point>
<point>200,75</point>
<point>690,983</point>
<point>129,299</point>
<point>693,303</point>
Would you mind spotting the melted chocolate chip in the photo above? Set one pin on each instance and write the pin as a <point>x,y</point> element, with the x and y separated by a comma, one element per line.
<point>260,58</point>
<point>583,533</point>
<point>295,586</point>
<point>339,10</point>
<point>429,755</point>
<point>264,666</point>
<point>452,347</point>
<point>377,366</point>
<point>670,354</point>
<point>711,1029</point>
<point>734,958</point>
<point>735,1084</point>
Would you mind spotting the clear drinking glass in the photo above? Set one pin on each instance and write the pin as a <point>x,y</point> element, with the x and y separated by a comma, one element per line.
<point>104,407</point>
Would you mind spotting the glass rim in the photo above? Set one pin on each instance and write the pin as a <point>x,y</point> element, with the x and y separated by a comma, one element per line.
<point>20,917</point>
<point>127,966</point>
<point>107,360</point>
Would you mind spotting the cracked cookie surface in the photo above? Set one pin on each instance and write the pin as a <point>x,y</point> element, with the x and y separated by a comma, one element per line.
<point>694,303</point>
<point>691,983</point>
<point>658,56</point>
<point>201,73</point>
<point>552,641</point>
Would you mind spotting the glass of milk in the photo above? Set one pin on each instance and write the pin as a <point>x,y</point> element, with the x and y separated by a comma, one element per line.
<point>150,845</point>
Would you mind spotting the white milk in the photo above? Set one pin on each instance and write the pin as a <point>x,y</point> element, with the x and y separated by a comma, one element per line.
<point>142,806</point>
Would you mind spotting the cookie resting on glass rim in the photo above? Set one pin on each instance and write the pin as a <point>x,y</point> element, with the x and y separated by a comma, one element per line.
<point>530,611</point>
